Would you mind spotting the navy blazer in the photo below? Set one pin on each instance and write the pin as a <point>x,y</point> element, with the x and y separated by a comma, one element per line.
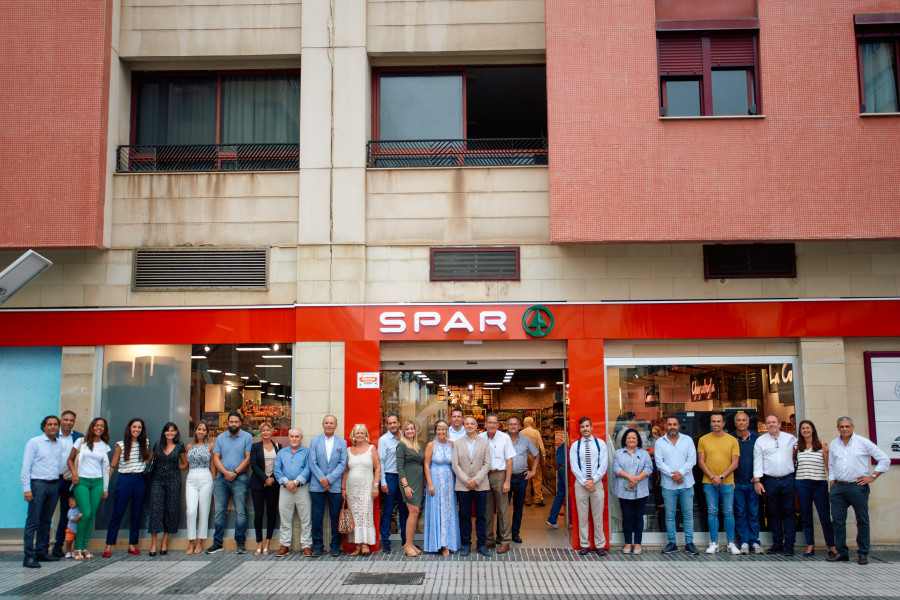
<point>321,467</point>
<point>258,465</point>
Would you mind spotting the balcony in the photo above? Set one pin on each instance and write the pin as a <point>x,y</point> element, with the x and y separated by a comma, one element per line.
<point>488,152</point>
<point>208,157</point>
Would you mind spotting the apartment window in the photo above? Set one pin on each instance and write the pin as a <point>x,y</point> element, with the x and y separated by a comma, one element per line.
<point>878,56</point>
<point>214,121</point>
<point>708,74</point>
<point>478,116</point>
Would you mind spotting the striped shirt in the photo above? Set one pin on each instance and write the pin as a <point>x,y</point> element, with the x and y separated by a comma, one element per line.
<point>811,465</point>
<point>134,463</point>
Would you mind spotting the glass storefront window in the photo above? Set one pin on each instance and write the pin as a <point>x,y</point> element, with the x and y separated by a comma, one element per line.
<point>418,396</point>
<point>643,396</point>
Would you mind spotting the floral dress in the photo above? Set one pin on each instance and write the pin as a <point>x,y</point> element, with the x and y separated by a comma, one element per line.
<point>441,519</point>
<point>360,480</point>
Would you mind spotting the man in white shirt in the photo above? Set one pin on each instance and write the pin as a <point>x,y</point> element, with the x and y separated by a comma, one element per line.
<point>848,472</point>
<point>66,437</point>
<point>390,483</point>
<point>499,476</point>
<point>40,487</point>
<point>589,460</point>
<point>456,431</point>
<point>676,456</point>
<point>773,475</point>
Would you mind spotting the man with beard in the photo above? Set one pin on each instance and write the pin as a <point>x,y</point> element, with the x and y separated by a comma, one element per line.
<point>231,458</point>
<point>390,483</point>
<point>456,431</point>
<point>675,459</point>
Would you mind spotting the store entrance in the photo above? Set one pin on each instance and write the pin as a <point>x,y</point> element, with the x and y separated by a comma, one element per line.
<point>536,396</point>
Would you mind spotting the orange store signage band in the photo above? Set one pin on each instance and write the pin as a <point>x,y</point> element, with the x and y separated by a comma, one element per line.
<point>536,321</point>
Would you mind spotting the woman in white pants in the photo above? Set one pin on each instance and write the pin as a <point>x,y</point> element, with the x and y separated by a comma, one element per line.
<point>198,488</point>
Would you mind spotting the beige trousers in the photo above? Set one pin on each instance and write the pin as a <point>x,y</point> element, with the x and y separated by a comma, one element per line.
<point>593,501</point>
<point>498,502</point>
<point>287,503</point>
<point>535,484</point>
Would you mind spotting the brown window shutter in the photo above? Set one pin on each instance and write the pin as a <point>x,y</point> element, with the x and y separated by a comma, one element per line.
<point>680,56</point>
<point>732,51</point>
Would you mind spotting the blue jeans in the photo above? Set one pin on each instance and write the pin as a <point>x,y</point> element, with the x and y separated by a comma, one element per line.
<point>633,518</point>
<point>466,501</point>
<point>388,501</point>
<point>713,494</point>
<point>40,514</point>
<point>517,488</point>
<point>334,501</point>
<point>237,491</point>
<point>843,496</point>
<point>811,492</point>
<point>671,499</point>
<point>780,504</point>
<point>130,487</point>
<point>560,498</point>
<point>746,513</point>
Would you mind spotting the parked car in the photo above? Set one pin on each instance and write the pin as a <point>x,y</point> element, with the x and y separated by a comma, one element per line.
<point>896,445</point>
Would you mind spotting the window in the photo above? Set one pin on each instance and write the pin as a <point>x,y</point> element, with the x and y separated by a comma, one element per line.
<point>474,264</point>
<point>642,396</point>
<point>479,116</point>
<point>878,50</point>
<point>214,121</point>
<point>708,74</point>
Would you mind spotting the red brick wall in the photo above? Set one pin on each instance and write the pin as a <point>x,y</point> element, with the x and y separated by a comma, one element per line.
<point>54,88</point>
<point>811,169</point>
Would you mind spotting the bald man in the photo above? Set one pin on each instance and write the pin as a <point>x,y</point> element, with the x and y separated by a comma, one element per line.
<point>292,474</point>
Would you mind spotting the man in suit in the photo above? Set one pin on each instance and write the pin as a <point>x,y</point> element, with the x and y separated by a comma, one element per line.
<point>327,461</point>
<point>471,462</point>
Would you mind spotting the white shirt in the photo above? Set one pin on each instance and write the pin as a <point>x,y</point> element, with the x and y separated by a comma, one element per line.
<point>329,446</point>
<point>454,435</point>
<point>850,462</point>
<point>93,464</point>
<point>599,459</point>
<point>387,454</point>
<point>501,450</point>
<point>774,456</point>
<point>65,448</point>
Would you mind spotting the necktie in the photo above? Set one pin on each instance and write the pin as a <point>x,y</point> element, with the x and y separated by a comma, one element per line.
<point>587,460</point>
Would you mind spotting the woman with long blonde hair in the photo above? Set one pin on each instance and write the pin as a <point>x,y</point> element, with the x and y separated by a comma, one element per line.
<point>411,471</point>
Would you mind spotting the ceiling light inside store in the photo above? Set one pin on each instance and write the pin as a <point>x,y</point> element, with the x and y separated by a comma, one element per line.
<point>560,383</point>
<point>274,346</point>
<point>275,356</point>
<point>206,348</point>
<point>471,387</point>
<point>230,374</point>
<point>245,377</point>
<point>534,387</point>
<point>263,381</point>
<point>281,395</point>
<point>198,357</point>
<point>497,383</point>
<point>253,349</point>
<point>268,366</point>
<point>213,371</point>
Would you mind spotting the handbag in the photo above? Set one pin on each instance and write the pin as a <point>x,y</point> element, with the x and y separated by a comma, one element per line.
<point>345,520</point>
<point>148,468</point>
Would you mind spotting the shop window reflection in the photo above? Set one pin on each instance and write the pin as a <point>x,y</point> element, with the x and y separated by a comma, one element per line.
<point>643,396</point>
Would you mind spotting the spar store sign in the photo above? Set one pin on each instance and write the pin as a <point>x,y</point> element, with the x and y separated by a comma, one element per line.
<point>537,321</point>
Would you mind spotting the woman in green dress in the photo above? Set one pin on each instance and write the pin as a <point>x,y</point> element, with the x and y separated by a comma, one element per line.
<point>411,471</point>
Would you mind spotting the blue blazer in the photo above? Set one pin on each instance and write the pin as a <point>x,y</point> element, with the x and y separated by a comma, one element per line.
<point>321,467</point>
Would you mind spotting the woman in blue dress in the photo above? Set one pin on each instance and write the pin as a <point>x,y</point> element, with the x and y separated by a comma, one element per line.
<point>441,519</point>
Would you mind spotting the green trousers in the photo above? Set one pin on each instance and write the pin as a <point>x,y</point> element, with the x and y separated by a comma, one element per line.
<point>88,494</point>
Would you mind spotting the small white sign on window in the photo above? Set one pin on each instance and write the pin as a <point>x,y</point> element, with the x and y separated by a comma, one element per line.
<point>368,381</point>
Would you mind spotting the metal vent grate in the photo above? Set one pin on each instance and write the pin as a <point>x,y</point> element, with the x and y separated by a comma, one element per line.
<point>478,264</point>
<point>200,268</point>
<point>401,578</point>
<point>749,260</point>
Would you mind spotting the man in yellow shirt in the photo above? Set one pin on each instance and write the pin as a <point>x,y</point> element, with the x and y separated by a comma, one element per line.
<point>717,456</point>
<point>536,483</point>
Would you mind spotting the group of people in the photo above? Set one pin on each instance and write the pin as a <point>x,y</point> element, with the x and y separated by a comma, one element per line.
<point>457,475</point>
<point>737,470</point>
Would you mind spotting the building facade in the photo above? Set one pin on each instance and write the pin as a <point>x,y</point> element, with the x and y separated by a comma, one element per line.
<point>700,195</point>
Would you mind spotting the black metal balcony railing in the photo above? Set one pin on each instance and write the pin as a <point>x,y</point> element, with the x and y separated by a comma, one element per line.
<point>209,157</point>
<point>488,152</point>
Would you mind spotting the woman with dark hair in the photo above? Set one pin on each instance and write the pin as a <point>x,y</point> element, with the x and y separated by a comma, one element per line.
<point>89,463</point>
<point>263,487</point>
<point>632,466</point>
<point>133,452</point>
<point>169,457</point>
<point>811,483</point>
<point>198,488</point>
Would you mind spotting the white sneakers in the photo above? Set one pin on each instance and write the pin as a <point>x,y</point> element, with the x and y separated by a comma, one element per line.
<point>713,548</point>
<point>757,549</point>
<point>733,548</point>
<point>745,548</point>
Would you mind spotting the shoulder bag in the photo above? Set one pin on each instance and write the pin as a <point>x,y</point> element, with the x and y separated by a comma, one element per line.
<point>345,521</point>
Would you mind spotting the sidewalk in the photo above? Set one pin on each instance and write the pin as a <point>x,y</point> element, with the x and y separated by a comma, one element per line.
<point>519,575</point>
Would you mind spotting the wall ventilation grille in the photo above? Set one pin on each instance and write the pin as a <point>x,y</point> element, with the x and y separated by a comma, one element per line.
<point>474,264</point>
<point>200,268</point>
<point>735,261</point>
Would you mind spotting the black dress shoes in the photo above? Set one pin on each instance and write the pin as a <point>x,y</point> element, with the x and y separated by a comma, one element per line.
<point>30,563</point>
<point>863,560</point>
<point>45,558</point>
<point>838,558</point>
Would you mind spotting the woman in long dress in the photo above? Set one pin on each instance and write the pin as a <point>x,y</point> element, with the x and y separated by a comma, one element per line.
<point>170,457</point>
<point>359,488</point>
<point>441,518</point>
<point>411,471</point>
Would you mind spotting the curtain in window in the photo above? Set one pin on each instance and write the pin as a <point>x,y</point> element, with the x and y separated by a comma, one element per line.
<point>178,111</point>
<point>260,109</point>
<point>879,77</point>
